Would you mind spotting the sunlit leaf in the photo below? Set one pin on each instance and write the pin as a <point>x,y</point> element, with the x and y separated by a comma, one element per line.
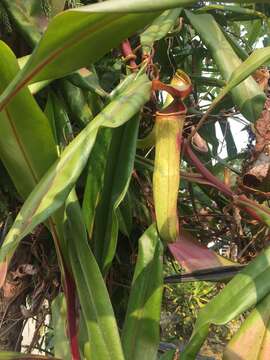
<point>252,340</point>
<point>53,189</point>
<point>192,255</point>
<point>247,96</point>
<point>243,291</point>
<point>117,176</point>
<point>102,332</point>
<point>140,336</point>
<point>12,356</point>
<point>159,29</point>
<point>59,318</point>
<point>95,177</point>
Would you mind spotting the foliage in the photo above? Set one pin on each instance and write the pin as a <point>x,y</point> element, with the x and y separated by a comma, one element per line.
<point>115,102</point>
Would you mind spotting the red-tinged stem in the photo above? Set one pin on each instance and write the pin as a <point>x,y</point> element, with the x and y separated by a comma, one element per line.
<point>128,54</point>
<point>205,172</point>
<point>71,315</point>
<point>70,295</point>
<point>243,201</point>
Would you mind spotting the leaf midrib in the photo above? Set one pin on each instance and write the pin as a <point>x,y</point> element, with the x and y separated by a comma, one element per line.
<point>21,146</point>
<point>101,25</point>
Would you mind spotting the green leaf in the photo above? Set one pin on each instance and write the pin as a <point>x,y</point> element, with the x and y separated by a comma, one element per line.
<point>231,8</point>
<point>252,340</point>
<point>247,96</point>
<point>82,38</point>
<point>238,49</point>
<point>159,28</point>
<point>255,60</point>
<point>74,39</point>
<point>59,120</point>
<point>27,147</point>
<point>59,318</point>
<point>76,100</point>
<point>120,164</point>
<point>103,336</point>
<point>169,355</point>
<point>53,189</point>
<point>8,355</point>
<point>254,32</point>
<point>140,336</point>
<point>258,58</point>
<point>124,215</point>
<point>245,290</point>
<point>228,136</point>
<point>28,17</point>
<point>95,177</point>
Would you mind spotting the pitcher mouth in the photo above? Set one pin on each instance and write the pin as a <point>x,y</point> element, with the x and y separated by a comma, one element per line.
<point>176,108</point>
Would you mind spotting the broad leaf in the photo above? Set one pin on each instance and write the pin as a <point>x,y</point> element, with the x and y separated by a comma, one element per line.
<point>29,18</point>
<point>60,123</point>
<point>27,147</point>
<point>76,100</point>
<point>140,336</point>
<point>228,136</point>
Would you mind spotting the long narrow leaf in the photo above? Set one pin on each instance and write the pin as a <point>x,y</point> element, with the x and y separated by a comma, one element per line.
<point>120,164</point>
<point>17,356</point>
<point>55,186</point>
<point>140,336</point>
<point>258,58</point>
<point>27,146</point>
<point>247,96</point>
<point>74,39</point>
<point>59,318</point>
<point>103,336</point>
<point>95,177</point>
<point>78,37</point>
<point>245,290</point>
<point>159,28</point>
<point>252,340</point>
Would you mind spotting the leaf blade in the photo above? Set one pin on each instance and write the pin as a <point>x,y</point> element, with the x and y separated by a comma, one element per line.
<point>140,336</point>
<point>53,189</point>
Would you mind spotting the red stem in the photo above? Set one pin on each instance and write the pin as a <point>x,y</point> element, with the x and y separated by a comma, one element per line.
<point>205,172</point>
<point>128,53</point>
<point>244,202</point>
